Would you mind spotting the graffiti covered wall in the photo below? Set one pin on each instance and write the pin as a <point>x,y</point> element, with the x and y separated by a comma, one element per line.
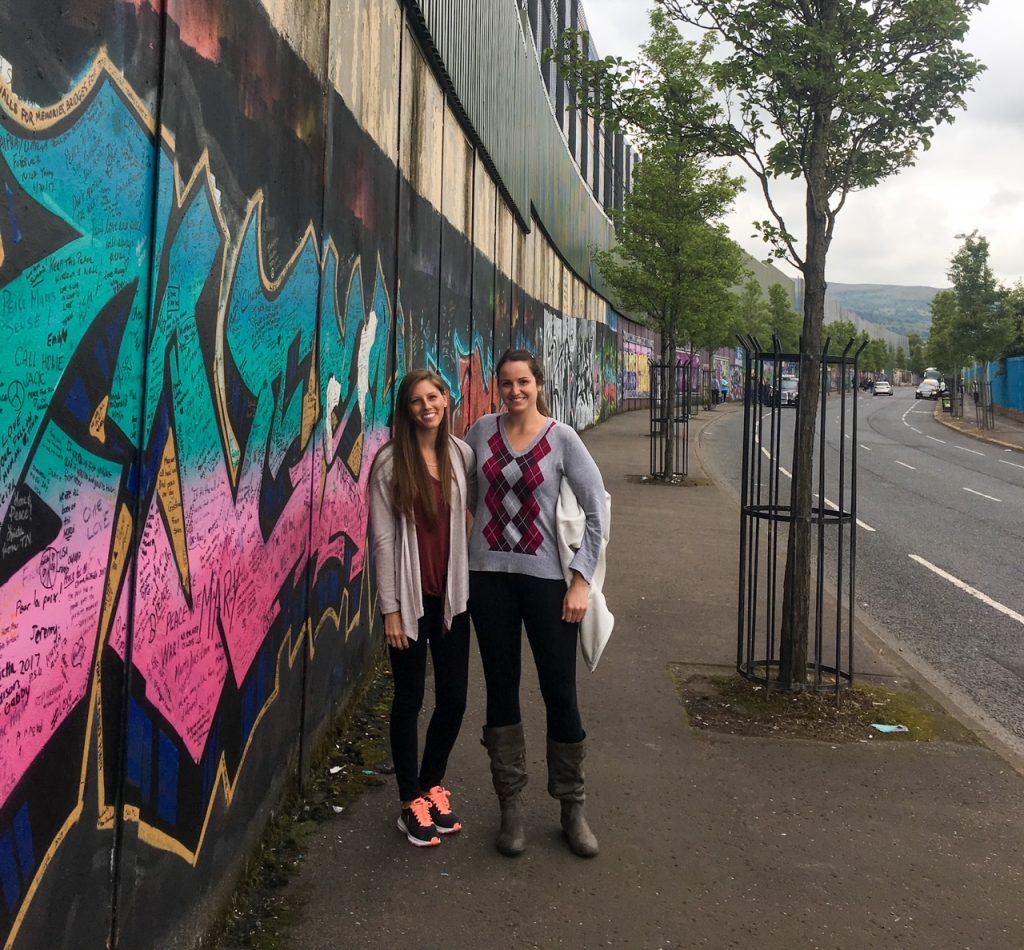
<point>227,227</point>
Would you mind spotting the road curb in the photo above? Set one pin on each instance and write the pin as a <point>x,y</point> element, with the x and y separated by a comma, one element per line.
<point>939,416</point>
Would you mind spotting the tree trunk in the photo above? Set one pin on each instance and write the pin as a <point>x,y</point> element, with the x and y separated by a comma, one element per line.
<point>796,599</point>
<point>669,403</point>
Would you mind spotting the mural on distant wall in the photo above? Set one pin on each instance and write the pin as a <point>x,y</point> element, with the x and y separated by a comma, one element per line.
<point>635,376</point>
<point>569,355</point>
<point>187,437</point>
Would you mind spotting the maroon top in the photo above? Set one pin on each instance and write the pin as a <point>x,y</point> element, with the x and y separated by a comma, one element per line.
<point>433,543</point>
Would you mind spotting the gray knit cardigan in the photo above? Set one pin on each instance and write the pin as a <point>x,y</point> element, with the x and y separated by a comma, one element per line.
<point>396,551</point>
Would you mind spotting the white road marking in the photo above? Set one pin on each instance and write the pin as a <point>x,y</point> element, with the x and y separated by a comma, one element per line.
<point>831,504</point>
<point>904,464</point>
<point>1014,464</point>
<point>982,494</point>
<point>866,449</point>
<point>962,449</point>
<point>932,437</point>
<point>912,429</point>
<point>974,592</point>
<point>768,456</point>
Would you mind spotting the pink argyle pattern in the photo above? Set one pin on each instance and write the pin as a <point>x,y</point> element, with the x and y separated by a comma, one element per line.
<point>509,499</point>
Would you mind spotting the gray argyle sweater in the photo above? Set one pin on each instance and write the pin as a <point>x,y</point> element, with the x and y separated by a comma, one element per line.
<point>514,529</point>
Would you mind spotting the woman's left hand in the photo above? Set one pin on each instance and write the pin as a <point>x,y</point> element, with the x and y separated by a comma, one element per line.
<point>574,607</point>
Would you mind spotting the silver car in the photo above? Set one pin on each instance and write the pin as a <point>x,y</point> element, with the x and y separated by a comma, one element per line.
<point>789,391</point>
<point>882,387</point>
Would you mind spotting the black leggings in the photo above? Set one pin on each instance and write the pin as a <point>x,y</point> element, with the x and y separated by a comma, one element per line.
<point>501,604</point>
<point>450,654</point>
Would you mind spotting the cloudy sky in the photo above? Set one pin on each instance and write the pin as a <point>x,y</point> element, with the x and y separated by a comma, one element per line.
<point>904,231</point>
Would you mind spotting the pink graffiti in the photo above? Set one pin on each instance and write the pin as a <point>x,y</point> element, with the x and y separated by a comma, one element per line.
<point>51,619</point>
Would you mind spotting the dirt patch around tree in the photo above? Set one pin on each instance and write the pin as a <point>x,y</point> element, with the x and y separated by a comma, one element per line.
<point>717,700</point>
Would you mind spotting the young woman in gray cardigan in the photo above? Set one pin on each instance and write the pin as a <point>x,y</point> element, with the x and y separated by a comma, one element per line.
<point>421,488</point>
<point>516,580</point>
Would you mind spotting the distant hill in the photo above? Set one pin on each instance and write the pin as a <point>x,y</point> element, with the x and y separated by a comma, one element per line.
<point>903,310</point>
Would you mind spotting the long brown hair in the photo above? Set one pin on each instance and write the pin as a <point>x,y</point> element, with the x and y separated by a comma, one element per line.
<point>525,356</point>
<point>410,479</point>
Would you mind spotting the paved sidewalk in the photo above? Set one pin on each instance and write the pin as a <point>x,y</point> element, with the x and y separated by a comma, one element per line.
<point>1007,432</point>
<point>706,840</point>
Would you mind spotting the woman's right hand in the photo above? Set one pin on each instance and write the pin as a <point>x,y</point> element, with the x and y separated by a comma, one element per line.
<point>393,631</point>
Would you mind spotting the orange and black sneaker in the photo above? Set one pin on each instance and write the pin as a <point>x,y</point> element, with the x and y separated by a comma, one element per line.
<point>445,820</point>
<point>415,822</point>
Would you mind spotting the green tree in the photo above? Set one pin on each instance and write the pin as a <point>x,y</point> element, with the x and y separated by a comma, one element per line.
<point>673,265</point>
<point>943,349</point>
<point>837,93</point>
<point>840,333</point>
<point>984,327</point>
<point>1014,298</point>
<point>842,95</point>
<point>783,321</point>
<point>916,362</point>
<point>752,310</point>
<point>879,353</point>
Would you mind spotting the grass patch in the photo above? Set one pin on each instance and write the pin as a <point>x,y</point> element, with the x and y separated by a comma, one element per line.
<point>737,706</point>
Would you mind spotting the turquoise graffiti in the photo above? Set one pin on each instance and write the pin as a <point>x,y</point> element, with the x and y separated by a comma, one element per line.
<point>186,444</point>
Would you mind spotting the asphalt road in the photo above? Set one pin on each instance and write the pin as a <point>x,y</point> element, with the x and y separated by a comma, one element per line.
<point>940,547</point>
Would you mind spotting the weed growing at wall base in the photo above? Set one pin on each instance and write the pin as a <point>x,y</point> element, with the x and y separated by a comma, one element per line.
<point>351,758</point>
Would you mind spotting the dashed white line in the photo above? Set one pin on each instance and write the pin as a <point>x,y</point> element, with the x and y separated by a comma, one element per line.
<point>962,449</point>
<point>981,494</point>
<point>904,464</point>
<point>932,437</point>
<point>912,429</point>
<point>974,592</point>
<point>1014,464</point>
<point>866,449</point>
<point>768,455</point>
<point>831,504</point>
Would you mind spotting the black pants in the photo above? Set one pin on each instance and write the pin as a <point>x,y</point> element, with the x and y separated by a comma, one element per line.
<point>501,605</point>
<point>450,654</point>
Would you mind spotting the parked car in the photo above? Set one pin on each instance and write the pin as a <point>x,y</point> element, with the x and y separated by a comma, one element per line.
<point>882,387</point>
<point>789,391</point>
<point>929,389</point>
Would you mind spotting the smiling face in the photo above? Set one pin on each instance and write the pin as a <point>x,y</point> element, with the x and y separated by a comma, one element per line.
<point>427,405</point>
<point>518,387</point>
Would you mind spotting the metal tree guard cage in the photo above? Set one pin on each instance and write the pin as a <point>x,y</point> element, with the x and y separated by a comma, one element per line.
<point>670,409</point>
<point>767,511</point>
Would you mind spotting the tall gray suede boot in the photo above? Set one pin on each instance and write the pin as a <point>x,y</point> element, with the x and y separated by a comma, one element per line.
<point>507,748</point>
<point>565,782</point>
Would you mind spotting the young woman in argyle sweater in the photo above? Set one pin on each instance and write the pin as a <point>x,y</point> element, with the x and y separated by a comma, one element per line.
<point>516,581</point>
